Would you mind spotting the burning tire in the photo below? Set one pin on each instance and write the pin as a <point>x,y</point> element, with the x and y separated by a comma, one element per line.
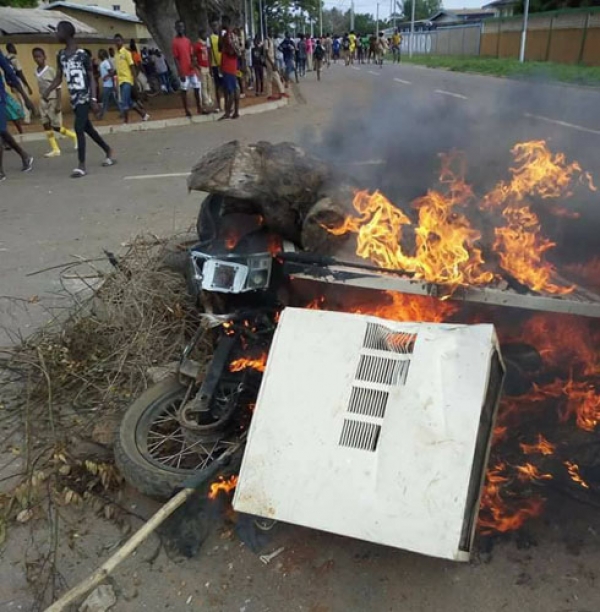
<point>153,451</point>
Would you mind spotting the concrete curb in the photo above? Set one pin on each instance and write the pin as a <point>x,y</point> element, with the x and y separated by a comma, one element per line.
<point>160,124</point>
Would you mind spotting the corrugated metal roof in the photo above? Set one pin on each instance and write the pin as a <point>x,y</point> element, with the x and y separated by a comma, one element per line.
<point>36,21</point>
<point>96,10</point>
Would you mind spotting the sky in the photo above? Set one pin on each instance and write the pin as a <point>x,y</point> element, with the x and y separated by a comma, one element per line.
<point>370,6</point>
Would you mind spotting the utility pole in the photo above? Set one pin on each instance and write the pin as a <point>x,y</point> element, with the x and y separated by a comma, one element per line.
<point>377,21</point>
<point>524,32</point>
<point>352,15</point>
<point>412,28</point>
<point>260,16</point>
<point>321,18</point>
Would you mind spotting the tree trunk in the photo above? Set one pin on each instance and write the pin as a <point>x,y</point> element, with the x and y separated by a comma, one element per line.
<point>160,16</point>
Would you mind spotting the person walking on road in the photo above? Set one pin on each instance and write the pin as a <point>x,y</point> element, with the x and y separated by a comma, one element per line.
<point>50,111</point>
<point>328,49</point>
<point>301,56</point>
<point>183,54</point>
<point>396,46</point>
<point>336,47</point>
<point>288,48</point>
<point>381,49</point>
<point>346,49</point>
<point>271,69</point>
<point>75,65</point>
<point>12,81</point>
<point>11,56</point>
<point>319,55</point>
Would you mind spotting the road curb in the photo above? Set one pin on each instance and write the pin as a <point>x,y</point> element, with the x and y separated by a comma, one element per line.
<point>160,124</point>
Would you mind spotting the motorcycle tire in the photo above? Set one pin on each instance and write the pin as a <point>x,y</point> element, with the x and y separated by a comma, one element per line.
<point>137,470</point>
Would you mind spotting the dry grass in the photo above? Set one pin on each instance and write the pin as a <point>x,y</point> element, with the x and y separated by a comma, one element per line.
<point>129,314</point>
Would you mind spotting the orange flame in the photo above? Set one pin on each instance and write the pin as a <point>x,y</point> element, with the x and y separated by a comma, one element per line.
<point>446,246</point>
<point>528,471</point>
<point>573,470</point>
<point>403,307</point>
<point>259,364</point>
<point>563,339</point>
<point>223,484</point>
<point>542,447</point>
<point>496,513</point>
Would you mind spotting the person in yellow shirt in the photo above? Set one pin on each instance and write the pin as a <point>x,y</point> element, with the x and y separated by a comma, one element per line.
<point>396,45</point>
<point>215,60</point>
<point>126,71</point>
<point>352,38</point>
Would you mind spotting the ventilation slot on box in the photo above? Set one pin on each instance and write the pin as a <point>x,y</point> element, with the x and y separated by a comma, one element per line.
<point>359,434</point>
<point>382,370</point>
<point>380,338</point>
<point>370,402</point>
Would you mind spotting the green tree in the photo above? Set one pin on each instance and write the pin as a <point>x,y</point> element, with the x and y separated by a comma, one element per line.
<point>19,3</point>
<point>423,9</point>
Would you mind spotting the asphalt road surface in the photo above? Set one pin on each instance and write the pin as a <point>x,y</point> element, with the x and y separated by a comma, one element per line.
<point>400,117</point>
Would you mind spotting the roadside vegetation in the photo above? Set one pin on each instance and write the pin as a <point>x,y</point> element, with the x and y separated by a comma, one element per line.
<point>512,68</point>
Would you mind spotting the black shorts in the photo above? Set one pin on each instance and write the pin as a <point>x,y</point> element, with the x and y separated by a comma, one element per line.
<point>216,75</point>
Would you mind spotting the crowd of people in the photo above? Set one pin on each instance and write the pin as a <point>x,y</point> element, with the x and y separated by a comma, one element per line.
<point>219,68</point>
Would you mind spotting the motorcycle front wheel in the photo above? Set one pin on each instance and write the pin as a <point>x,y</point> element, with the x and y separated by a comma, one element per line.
<point>153,452</point>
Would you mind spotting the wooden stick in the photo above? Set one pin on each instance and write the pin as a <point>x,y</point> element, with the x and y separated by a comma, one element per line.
<point>93,580</point>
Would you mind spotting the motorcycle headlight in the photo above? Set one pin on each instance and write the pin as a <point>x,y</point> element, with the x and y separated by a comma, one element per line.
<point>259,273</point>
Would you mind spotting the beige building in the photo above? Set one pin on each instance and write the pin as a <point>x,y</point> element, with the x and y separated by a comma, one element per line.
<point>106,21</point>
<point>126,6</point>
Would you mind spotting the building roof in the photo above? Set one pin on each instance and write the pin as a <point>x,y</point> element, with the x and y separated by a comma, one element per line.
<point>463,14</point>
<point>499,3</point>
<point>95,10</point>
<point>36,21</point>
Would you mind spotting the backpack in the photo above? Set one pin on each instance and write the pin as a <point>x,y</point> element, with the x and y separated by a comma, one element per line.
<point>319,52</point>
<point>346,44</point>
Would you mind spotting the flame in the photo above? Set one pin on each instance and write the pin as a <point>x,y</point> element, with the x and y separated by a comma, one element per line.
<point>563,339</point>
<point>521,249</point>
<point>588,272</point>
<point>404,307</point>
<point>396,307</point>
<point>583,402</point>
<point>497,513</point>
<point>222,484</point>
<point>573,470</point>
<point>528,471</point>
<point>259,364</point>
<point>542,447</point>
<point>446,245</point>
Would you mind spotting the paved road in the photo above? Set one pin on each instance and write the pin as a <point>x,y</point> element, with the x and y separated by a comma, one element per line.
<point>405,116</point>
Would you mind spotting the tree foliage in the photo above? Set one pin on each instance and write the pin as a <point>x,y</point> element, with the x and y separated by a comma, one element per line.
<point>337,22</point>
<point>19,3</point>
<point>423,9</point>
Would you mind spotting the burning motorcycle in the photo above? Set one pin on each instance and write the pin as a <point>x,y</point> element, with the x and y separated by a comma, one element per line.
<point>194,418</point>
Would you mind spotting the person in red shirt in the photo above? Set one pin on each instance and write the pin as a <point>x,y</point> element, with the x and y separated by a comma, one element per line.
<point>230,48</point>
<point>183,54</point>
<point>203,65</point>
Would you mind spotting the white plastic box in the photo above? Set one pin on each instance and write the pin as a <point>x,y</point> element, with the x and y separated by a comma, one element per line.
<point>374,429</point>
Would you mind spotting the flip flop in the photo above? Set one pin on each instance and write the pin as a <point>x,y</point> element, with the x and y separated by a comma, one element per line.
<point>78,173</point>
